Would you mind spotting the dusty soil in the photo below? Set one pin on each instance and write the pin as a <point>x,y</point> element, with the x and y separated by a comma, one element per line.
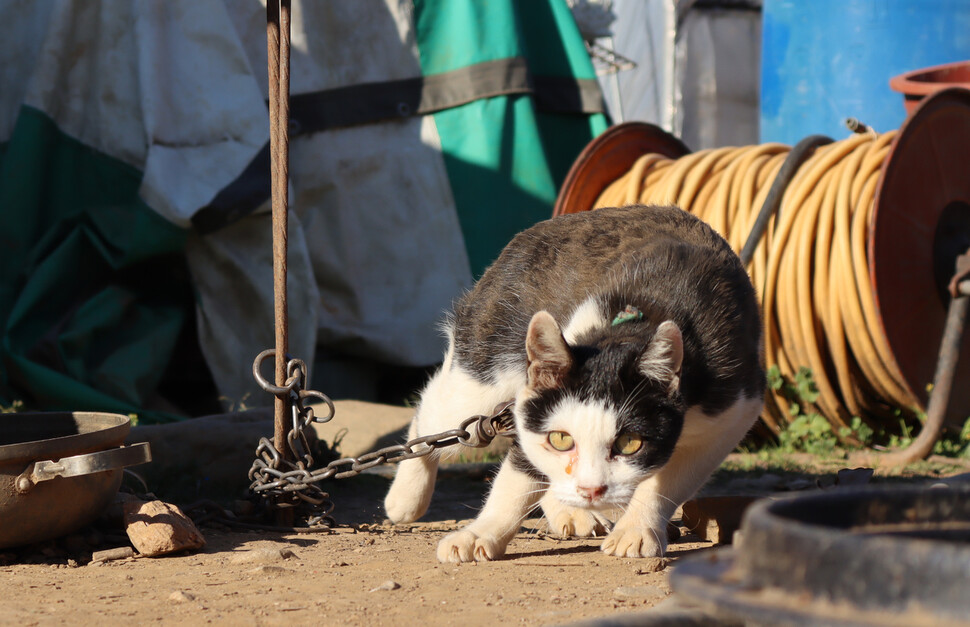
<point>364,573</point>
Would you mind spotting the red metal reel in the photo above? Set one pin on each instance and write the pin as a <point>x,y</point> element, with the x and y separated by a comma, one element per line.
<point>607,158</point>
<point>921,223</point>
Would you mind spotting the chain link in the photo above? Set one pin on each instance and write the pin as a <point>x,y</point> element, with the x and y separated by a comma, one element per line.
<point>292,484</point>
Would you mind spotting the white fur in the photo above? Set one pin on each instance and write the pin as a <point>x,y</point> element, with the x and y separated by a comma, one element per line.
<point>641,530</point>
<point>451,396</point>
<point>586,317</point>
<point>593,426</point>
<point>665,354</point>
<point>513,496</point>
<point>704,443</point>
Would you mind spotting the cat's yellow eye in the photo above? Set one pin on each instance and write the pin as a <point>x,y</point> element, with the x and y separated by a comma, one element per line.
<point>628,444</point>
<point>560,440</point>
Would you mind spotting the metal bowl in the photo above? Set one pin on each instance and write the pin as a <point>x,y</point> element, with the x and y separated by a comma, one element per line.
<point>869,556</point>
<point>59,470</point>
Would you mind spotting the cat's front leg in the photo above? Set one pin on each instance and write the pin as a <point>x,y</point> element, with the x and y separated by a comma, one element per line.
<point>704,443</point>
<point>642,530</point>
<point>573,521</point>
<point>513,495</point>
<point>410,493</point>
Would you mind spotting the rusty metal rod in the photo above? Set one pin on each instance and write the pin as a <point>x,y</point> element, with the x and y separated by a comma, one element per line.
<point>278,49</point>
<point>946,366</point>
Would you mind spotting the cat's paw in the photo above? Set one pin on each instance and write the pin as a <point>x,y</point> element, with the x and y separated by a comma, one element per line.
<point>466,546</point>
<point>410,493</point>
<point>405,506</point>
<point>572,521</point>
<point>628,540</point>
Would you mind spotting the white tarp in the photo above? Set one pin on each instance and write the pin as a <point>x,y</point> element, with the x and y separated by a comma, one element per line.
<point>177,90</point>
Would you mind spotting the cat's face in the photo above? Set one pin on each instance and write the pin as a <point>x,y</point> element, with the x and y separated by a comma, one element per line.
<point>597,424</point>
<point>595,453</point>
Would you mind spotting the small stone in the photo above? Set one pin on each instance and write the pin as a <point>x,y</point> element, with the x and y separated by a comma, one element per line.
<point>652,565</point>
<point>181,597</point>
<point>158,528</point>
<point>109,555</point>
<point>387,585</point>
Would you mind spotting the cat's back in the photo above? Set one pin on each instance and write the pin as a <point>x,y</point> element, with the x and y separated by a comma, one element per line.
<point>555,262</point>
<point>662,260</point>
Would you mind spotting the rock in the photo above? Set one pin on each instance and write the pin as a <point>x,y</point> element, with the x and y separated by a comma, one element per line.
<point>114,513</point>
<point>387,585</point>
<point>652,565</point>
<point>181,597</point>
<point>109,555</point>
<point>158,528</point>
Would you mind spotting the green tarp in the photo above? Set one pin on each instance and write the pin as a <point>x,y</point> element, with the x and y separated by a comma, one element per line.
<point>94,291</point>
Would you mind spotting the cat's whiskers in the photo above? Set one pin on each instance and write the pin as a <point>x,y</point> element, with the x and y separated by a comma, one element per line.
<point>633,397</point>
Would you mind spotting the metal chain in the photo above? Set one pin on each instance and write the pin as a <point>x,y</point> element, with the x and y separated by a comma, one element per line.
<point>293,484</point>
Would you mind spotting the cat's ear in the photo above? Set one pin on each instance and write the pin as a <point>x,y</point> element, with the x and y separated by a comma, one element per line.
<point>664,356</point>
<point>548,355</point>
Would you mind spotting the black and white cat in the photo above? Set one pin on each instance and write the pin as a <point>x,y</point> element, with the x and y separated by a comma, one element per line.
<point>630,339</point>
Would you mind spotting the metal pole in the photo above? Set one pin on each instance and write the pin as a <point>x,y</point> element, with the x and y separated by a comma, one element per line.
<point>946,367</point>
<point>278,48</point>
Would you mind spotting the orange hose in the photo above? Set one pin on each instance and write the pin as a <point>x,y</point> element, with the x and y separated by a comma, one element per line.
<point>810,270</point>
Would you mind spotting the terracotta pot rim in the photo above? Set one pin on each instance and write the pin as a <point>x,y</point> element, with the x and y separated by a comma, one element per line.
<point>922,81</point>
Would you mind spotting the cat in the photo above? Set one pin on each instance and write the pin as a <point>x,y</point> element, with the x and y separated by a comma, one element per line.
<point>630,339</point>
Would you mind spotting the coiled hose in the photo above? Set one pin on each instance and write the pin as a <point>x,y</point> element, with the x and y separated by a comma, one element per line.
<point>810,268</point>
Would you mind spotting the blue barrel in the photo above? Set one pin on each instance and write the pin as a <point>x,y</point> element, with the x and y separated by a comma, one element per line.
<point>826,60</point>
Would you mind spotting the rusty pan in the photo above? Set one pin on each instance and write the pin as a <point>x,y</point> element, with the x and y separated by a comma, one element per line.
<point>875,556</point>
<point>59,470</point>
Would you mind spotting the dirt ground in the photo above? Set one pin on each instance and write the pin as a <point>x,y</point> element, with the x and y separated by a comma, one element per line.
<point>364,573</point>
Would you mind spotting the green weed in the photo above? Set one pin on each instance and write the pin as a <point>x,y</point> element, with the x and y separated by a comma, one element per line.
<point>810,432</point>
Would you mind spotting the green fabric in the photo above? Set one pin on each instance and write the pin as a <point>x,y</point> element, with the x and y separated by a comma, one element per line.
<point>505,160</point>
<point>93,285</point>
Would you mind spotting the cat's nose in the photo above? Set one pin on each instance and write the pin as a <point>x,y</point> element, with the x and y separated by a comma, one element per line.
<point>591,494</point>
